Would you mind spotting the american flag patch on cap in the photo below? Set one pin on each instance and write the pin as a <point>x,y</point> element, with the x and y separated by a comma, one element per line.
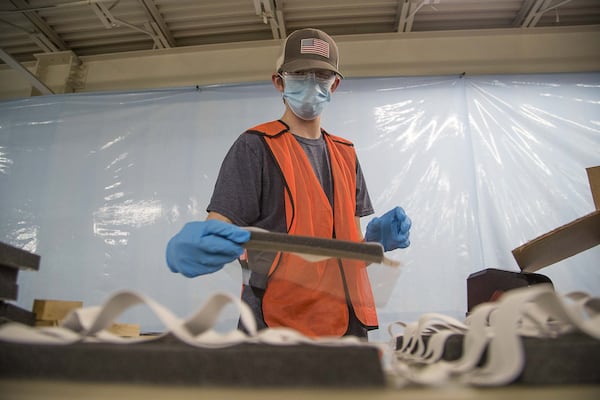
<point>314,46</point>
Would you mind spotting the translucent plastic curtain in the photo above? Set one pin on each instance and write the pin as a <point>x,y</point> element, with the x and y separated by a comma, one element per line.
<point>97,183</point>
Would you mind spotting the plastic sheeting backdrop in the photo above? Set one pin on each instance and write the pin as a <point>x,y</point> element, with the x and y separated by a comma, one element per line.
<point>97,183</point>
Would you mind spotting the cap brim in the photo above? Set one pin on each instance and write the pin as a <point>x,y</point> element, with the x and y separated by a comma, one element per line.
<point>300,65</point>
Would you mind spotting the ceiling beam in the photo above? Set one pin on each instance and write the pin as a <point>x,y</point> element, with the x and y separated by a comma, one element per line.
<point>271,13</point>
<point>103,14</point>
<point>402,14</point>
<point>43,42</point>
<point>539,14</point>
<point>161,38</point>
<point>280,19</point>
<point>157,23</point>
<point>538,9</point>
<point>44,34</point>
<point>523,12</point>
<point>407,11</point>
<point>34,80</point>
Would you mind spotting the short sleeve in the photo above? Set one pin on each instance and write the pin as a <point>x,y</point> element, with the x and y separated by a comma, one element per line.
<point>364,206</point>
<point>237,191</point>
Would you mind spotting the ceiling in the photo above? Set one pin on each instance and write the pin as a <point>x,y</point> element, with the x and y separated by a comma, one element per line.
<point>92,27</point>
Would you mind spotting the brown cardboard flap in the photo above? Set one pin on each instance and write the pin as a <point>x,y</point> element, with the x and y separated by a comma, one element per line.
<point>560,243</point>
<point>594,178</point>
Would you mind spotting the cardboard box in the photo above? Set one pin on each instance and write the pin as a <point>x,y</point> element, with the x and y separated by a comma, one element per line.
<point>54,310</point>
<point>564,241</point>
<point>594,178</point>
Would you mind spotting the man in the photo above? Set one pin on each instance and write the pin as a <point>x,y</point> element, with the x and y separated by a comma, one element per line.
<point>292,176</point>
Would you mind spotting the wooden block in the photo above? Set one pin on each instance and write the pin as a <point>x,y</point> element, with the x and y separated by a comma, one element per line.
<point>46,323</point>
<point>125,330</point>
<point>54,310</point>
<point>119,329</point>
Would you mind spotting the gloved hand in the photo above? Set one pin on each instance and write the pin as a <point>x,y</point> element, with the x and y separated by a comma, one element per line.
<point>204,247</point>
<point>392,230</point>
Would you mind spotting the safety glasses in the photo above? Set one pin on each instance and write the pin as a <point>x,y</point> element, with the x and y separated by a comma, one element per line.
<point>321,76</point>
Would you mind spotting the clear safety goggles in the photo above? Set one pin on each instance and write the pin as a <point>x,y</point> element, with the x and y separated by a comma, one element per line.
<point>321,76</point>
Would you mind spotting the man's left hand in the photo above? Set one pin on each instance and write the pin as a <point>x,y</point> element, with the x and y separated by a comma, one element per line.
<point>392,229</point>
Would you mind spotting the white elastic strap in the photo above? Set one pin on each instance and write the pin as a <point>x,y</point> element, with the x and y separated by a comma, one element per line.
<point>90,324</point>
<point>505,357</point>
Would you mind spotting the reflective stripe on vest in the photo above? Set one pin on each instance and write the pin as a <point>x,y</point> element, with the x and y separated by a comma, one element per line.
<point>313,297</point>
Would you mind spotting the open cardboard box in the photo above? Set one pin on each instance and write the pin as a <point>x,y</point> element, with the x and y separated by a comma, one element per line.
<point>564,241</point>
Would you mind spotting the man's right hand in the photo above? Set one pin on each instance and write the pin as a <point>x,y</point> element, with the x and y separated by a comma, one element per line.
<point>204,247</point>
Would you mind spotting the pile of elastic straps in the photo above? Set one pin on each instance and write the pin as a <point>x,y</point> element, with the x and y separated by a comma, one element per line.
<point>496,329</point>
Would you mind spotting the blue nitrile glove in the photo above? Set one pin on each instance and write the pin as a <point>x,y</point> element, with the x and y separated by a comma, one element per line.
<point>392,229</point>
<point>204,247</point>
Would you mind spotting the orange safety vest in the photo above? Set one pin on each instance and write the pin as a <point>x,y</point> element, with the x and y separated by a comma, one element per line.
<point>313,297</point>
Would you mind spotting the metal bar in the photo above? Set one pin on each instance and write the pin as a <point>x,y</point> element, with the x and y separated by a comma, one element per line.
<point>159,38</point>
<point>34,80</point>
<point>43,42</point>
<point>161,28</point>
<point>280,18</point>
<point>103,15</point>
<point>402,17</point>
<point>411,16</point>
<point>532,13</point>
<point>281,24</point>
<point>553,6</point>
<point>547,6</point>
<point>322,248</point>
<point>539,14</point>
<point>269,14</point>
<point>41,26</point>
<point>525,8</point>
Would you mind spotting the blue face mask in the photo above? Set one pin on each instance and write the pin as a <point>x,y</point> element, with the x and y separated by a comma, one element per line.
<point>307,95</point>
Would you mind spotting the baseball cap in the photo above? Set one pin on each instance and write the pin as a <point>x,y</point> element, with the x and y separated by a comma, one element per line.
<point>308,49</point>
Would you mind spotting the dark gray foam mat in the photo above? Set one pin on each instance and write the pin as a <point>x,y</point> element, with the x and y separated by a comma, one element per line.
<point>9,290</point>
<point>569,359</point>
<point>12,313</point>
<point>14,257</point>
<point>168,361</point>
